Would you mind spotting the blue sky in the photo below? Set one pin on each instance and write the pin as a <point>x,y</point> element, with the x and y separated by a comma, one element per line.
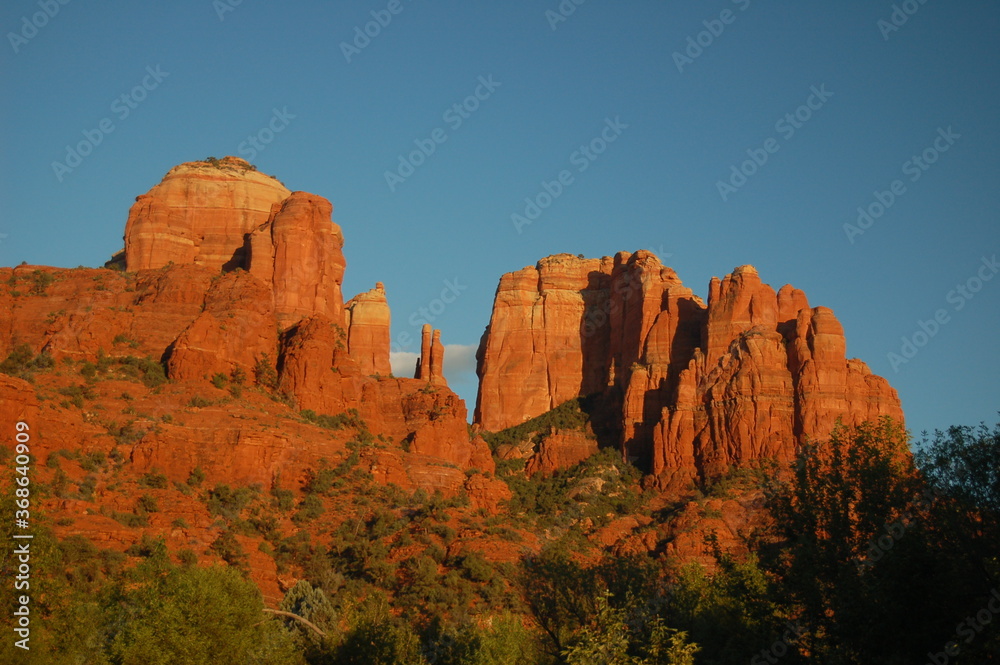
<point>216,73</point>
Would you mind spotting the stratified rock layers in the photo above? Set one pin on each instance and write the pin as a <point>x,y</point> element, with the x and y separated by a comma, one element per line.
<point>693,388</point>
<point>231,274</point>
<point>199,213</point>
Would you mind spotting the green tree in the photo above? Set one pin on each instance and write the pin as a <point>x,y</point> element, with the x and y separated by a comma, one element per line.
<point>193,616</point>
<point>378,638</point>
<point>615,638</point>
<point>859,559</point>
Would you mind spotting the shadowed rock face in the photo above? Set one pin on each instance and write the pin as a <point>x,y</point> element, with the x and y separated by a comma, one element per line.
<point>693,388</point>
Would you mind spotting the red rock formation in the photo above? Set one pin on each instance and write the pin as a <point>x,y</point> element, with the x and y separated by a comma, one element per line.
<point>18,402</point>
<point>430,364</point>
<point>696,388</point>
<point>298,253</point>
<point>186,303</point>
<point>561,450</point>
<point>199,213</point>
<point>368,331</point>
<point>546,341</point>
<point>226,215</point>
<point>236,330</point>
<point>423,371</point>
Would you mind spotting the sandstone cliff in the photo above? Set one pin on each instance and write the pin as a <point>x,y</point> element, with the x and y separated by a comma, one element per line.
<point>689,389</point>
<point>199,214</point>
<point>231,277</point>
<point>368,331</point>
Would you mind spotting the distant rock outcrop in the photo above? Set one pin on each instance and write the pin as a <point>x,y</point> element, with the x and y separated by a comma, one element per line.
<point>430,364</point>
<point>368,331</point>
<point>229,273</point>
<point>298,253</point>
<point>692,388</point>
<point>199,213</point>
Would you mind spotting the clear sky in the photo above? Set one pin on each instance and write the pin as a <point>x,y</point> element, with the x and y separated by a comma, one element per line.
<point>146,86</point>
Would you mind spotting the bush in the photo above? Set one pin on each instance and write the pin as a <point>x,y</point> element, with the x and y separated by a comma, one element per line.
<point>264,373</point>
<point>148,547</point>
<point>339,421</point>
<point>131,519</point>
<point>230,550</point>
<point>310,508</point>
<point>147,504</point>
<point>23,363</point>
<point>94,460</point>
<point>153,480</point>
<point>196,477</point>
<point>567,416</point>
<point>228,502</point>
<point>40,281</point>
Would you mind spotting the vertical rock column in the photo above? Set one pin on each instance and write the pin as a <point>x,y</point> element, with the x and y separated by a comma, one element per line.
<point>368,337</point>
<point>430,365</point>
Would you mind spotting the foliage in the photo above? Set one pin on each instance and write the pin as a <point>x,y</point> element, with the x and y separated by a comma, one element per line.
<point>23,363</point>
<point>153,480</point>
<point>146,371</point>
<point>569,415</point>
<point>865,537</point>
<point>340,421</point>
<point>601,485</point>
<point>193,616</point>
<point>228,502</point>
<point>264,373</point>
<point>615,638</point>
<point>230,550</point>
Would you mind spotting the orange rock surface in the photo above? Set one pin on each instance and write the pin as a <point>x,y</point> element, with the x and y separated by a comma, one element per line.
<point>368,331</point>
<point>199,213</point>
<point>561,450</point>
<point>430,364</point>
<point>693,389</point>
<point>298,253</point>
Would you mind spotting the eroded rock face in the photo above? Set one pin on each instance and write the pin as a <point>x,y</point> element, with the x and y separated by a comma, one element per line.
<point>546,342</point>
<point>692,388</point>
<point>236,330</point>
<point>226,216</point>
<point>430,364</point>
<point>199,213</point>
<point>561,450</point>
<point>368,331</point>
<point>298,252</point>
